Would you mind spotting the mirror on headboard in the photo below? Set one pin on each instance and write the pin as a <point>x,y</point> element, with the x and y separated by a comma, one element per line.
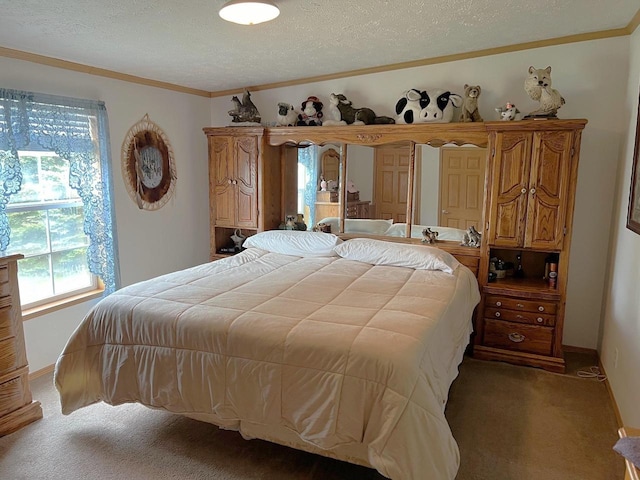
<point>431,175</point>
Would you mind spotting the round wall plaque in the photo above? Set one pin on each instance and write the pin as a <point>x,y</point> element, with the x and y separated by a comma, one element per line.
<point>148,167</point>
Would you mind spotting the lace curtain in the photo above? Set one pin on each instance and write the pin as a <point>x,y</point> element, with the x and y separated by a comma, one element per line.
<point>78,131</point>
<point>308,157</point>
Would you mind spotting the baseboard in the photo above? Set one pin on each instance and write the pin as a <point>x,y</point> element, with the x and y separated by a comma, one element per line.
<point>42,372</point>
<point>572,349</point>
<point>616,410</point>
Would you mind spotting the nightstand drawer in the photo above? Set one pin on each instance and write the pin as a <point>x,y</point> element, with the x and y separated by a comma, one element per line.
<point>518,336</point>
<point>520,304</point>
<point>520,317</point>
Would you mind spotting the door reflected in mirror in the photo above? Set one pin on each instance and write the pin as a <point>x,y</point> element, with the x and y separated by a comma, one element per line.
<point>447,189</point>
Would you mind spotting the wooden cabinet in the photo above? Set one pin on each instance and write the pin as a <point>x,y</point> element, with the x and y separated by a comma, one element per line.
<point>528,212</point>
<point>529,189</point>
<point>17,408</point>
<point>234,176</point>
<point>244,184</point>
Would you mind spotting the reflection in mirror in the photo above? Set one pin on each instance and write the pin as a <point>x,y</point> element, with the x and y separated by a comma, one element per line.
<point>448,189</point>
<point>315,163</point>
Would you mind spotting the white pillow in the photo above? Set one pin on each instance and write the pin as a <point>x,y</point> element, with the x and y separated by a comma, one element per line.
<point>379,252</point>
<point>359,225</point>
<point>294,242</point>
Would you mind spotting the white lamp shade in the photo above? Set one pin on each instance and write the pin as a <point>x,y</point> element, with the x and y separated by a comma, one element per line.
<point>249,12</point>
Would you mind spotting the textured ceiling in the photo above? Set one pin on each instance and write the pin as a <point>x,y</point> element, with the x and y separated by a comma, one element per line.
<point>186,43</point>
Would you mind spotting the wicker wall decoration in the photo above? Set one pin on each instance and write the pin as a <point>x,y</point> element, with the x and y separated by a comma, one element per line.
<point>148,166</point>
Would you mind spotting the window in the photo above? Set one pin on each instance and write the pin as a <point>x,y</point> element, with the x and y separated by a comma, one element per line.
<point>46,220</point>
<point>55,195</point>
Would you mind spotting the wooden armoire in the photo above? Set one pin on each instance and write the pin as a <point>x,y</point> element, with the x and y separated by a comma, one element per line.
<point>531,183</point>
<point>245,185</point>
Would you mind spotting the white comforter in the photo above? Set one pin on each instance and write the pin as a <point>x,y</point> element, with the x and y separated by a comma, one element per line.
<point>340,352</point>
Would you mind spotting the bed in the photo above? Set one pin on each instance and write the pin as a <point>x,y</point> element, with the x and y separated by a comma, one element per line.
<point>345,349</point>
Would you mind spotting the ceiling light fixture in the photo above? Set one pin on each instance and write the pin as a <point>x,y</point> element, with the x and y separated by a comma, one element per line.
<point>249,12</point>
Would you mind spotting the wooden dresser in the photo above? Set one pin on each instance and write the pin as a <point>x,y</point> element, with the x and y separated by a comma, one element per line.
<point>16,406</point>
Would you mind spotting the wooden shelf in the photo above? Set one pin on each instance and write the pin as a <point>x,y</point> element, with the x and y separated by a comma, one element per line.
<point>537,286</point>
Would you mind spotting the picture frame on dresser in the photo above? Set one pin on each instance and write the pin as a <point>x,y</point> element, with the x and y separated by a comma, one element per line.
<point>633,214</point>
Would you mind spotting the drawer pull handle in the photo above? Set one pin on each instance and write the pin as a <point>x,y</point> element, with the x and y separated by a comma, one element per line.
<point>498,304</point>
<point>523,191</point>
<point>519,305</point>
<point>498,314</point>
<point>541,308</point>
<point>539,320</point>
<point>519,316</point>
<point>516,337</point>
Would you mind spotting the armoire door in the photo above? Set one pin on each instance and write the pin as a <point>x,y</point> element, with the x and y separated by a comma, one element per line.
<point>509,188</point>
<point>246,175</point>
<point>221,177</point>
<point>548,189</point>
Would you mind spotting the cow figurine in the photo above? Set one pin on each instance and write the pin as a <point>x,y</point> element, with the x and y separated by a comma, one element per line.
<point>421,106</point>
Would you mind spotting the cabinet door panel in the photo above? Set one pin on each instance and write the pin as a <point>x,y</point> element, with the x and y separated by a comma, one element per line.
<point>246,159</point>
<point>221,181</point>
<point>548,189</point>
<point>510,177</point>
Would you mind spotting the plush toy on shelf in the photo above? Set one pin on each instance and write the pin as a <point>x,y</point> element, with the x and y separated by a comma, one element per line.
<point>421,106</point>
<point>508,112</point>
<point>287,115</point>
<point>311,112</point>
<point>343,112</point>
<point>470,112</point>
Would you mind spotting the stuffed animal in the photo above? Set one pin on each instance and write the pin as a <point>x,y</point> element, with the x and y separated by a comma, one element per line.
<point>470,111</point>
<point>429,236</point>
<point>537,84</point>
<point>287,115</point>
<point>508,112</point>
<point>244,111</point>
<point>354,116</point>
<point>311,112</point>
<point>334,117</point>
<point>434,105</point>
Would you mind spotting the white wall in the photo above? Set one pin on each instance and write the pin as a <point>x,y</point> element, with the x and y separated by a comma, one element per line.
<point>591,90</point>
<point>621,322</point>
<point>150,243</point>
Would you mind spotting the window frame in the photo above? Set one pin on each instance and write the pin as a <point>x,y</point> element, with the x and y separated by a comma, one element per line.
<point>45,206</point>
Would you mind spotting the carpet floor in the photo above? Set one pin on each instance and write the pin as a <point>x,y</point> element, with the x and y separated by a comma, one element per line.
<point>510,423</point>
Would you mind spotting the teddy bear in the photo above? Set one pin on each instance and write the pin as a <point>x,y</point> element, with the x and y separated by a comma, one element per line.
<point>537,84</point>
<point>470,112</point>
<point>311,112</point>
